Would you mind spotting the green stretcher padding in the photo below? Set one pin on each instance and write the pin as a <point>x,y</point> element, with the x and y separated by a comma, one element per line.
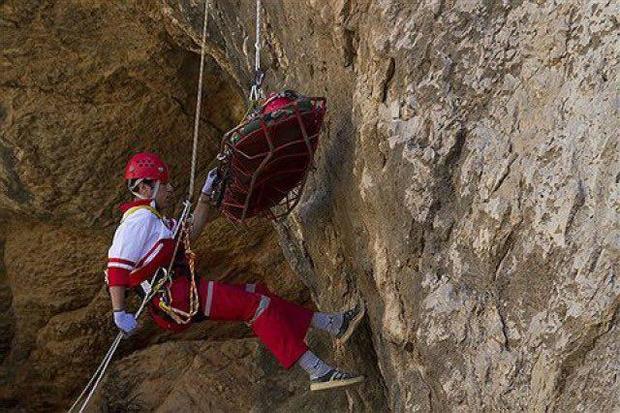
<point>305,105</point>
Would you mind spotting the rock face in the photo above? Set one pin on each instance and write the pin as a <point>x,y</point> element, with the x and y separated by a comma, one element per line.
<point>82,86</point>
<point>467,189</point>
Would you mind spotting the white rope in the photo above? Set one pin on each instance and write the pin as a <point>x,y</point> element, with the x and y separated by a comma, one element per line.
<point>103,366</point>
<point>256,91</point>
<point>198,100</point>
<point>97,373</point>
<point>257,44</point>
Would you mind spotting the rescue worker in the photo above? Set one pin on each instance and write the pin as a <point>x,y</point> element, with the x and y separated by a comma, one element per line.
<point>144,242</point>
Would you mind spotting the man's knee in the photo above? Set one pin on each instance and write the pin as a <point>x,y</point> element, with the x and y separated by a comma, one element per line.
<point>259,288</point>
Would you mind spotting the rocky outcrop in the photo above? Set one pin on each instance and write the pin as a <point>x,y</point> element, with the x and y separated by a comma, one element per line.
<point>83,86</point>
<point>478,211</point>
<point>466,189</point>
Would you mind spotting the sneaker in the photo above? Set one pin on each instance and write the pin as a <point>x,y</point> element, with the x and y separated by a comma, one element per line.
<point>334,378</point>
<point>350,320</point>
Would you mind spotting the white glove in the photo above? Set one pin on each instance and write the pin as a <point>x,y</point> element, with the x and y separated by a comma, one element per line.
<point>207,188</point>
<point>125,321</point>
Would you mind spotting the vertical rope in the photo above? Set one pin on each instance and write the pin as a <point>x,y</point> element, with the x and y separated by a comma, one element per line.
<point>257,44</point>
<point>198,101</point>
<point>256,90</point>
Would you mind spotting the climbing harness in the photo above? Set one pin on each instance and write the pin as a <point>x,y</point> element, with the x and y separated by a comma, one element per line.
<point>180,232</point>
<point>166,303</point>
<point>265,160</point>
<point>182,317</point>
<point>136,208</point>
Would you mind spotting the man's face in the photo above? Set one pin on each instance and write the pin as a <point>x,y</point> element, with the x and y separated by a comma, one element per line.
<point>164,195</point>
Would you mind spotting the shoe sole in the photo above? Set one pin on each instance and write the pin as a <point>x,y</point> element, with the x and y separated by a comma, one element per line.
<point>335,384</point>
<point>352,326</point>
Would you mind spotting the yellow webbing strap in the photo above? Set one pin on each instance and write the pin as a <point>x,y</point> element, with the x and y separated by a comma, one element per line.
<point>136,208</point>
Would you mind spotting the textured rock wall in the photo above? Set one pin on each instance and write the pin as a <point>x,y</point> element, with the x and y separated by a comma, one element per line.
<point>82,86</point>
<point>467,189</point>
<point>477,210</point>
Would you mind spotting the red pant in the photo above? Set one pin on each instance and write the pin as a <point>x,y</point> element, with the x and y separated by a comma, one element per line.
<point>279,324</point>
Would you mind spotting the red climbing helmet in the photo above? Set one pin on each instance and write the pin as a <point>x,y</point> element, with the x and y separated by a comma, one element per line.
<point>146,165</point>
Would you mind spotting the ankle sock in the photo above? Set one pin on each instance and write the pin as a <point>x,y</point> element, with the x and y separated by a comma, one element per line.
<point>313,365</point>
<point>330,322</point>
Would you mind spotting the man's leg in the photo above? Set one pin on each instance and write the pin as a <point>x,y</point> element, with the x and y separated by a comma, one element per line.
<point>340,325</point>
<point>279,324</point>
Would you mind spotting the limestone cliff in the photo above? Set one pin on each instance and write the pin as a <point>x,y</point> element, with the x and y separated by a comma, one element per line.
<point>467,189</point>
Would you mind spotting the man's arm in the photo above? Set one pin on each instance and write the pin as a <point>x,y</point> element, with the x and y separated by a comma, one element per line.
<point>203,214</point>
<point>125,321</point>
<point>123,254</point>
<point>117,294</point>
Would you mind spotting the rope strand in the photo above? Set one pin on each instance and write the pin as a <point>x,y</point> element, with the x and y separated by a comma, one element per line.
<point>198,101</point>
<point>257,44</point>
<point>256,91</point>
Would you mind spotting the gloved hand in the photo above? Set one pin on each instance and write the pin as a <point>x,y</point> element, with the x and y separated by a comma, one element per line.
<point>125,321</point>
<point>212,178</point>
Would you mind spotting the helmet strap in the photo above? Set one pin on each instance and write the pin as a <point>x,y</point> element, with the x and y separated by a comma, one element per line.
<point>155,189</point>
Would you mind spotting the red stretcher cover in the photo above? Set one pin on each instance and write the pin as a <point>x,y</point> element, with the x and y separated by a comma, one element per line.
<point>265,160</point>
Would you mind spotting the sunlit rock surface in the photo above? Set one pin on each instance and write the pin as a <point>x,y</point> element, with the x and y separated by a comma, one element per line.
<point>466,188</point>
